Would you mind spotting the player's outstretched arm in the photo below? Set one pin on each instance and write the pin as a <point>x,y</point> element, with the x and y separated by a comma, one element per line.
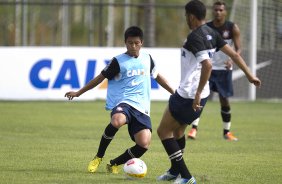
<point>236,58</point>
<point>164,83</point>
<point>91,84</point>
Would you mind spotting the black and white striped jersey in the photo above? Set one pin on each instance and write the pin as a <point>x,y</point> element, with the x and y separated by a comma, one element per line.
<point>219,58</point>
<point>200,45</point>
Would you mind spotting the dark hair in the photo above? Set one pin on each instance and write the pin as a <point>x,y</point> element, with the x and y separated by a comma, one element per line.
<point>219,3</point>
<point>196,8</point>
<point>133,31</point>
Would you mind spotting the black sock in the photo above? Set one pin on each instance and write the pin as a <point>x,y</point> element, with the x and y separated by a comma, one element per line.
<point>225,114</point>
<point>226,117</point>
<point>181,143</point>
<point>106,139</point>
<point>195,126</point>
<point>225,131</point>
<point>133,152</point>
<point>175,155</point>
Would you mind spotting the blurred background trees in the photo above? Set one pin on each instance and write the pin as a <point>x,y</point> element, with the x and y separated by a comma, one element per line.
<point>91,22</point>
<point>102,22</point>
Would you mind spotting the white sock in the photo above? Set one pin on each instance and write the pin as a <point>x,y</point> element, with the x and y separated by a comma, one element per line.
<point>226,125</point>
<point>196,122</point>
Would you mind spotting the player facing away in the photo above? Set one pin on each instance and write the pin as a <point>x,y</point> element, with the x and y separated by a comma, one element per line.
<point>128,98</point>
<point>191,96</point>
<point>221,76</point>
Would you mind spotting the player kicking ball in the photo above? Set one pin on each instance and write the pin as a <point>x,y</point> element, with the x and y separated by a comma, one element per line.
<point>128,98</point>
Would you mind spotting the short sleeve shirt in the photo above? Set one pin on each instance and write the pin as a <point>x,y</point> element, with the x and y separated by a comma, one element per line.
<point>200,45</point>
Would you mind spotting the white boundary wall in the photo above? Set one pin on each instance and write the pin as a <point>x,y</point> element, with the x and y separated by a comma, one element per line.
<point>46,73</point>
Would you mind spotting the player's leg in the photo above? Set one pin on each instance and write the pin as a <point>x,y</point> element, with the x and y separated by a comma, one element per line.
<point>139,128</point>
<point>225,114</point>
<point>177,116</point>
<point>165,132</point>
<point>226,118</point>
<point>143,139</point>
<point>193,132</point>
<point>118,120</point>
<point>179,136</point>
<point>225,90</point>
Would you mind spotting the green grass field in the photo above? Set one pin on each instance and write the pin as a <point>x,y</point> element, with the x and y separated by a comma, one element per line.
<point>52,143</point>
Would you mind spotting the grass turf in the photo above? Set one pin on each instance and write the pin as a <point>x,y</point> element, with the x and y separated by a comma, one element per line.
<point>52,142</point>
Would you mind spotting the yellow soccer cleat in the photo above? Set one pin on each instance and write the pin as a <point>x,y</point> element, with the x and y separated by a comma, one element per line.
<point>94,164</point>
<point>112,168</point>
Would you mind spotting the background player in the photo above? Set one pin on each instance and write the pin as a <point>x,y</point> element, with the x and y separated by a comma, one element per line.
<point>128,96</point>
<point>221,76</point>
<point>186,104</point>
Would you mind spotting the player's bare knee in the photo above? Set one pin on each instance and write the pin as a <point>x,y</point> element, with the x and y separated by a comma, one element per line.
<point>144,139</point>
<point>116,124</point>
<point>144,143</point>
<point>177,134</point>
<point>118,121</point>
<point>161,133</point>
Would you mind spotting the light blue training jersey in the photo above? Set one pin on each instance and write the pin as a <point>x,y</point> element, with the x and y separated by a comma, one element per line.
<point>132,85</point>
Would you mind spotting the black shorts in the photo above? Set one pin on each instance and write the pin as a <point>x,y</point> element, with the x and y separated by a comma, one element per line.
<point>135,119</point>
<point>221,81</point>
<point>182,110</point>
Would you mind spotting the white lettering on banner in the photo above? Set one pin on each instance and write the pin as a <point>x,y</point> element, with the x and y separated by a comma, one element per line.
<point>47,73</point>
<point>68,74</point>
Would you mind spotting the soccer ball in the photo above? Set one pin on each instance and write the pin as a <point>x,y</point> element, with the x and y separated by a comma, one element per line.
<point>135,168</point>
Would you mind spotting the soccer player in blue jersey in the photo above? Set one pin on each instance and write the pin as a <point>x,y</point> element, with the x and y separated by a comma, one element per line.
<point>221,76</point>
<point>128,98</point>
<point>187,103</point>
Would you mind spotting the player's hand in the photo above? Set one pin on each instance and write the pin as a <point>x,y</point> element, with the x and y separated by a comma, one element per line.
<point>256,81</point>
<point>228,64</point>
<point>196,103</point>
<point>71,94</point>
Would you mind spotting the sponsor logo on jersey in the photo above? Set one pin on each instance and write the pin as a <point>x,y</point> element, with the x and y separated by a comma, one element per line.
<point>225,34</point>
<point>135,83</point>
<point>209,37</point>
<point>131,73</point>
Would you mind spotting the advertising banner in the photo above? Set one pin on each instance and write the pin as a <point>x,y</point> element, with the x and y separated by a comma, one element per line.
<point>47,73</point>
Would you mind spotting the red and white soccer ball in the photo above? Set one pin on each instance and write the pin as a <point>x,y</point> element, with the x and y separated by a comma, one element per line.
<point>135,168</point>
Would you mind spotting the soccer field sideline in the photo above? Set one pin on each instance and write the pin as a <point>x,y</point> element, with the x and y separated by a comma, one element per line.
<point>52,142</point>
